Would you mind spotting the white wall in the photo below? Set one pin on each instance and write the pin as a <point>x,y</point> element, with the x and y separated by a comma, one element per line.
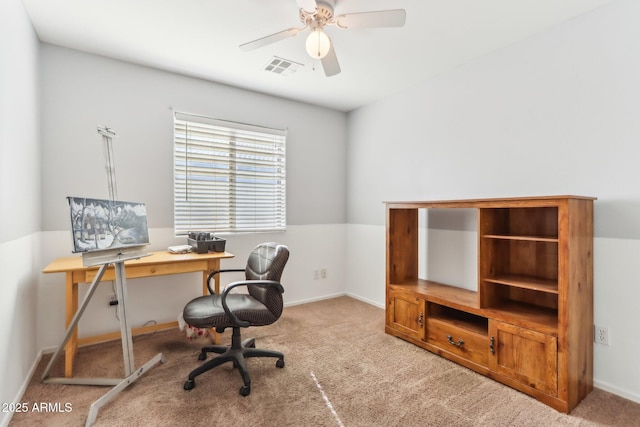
<point>81,91</point>
<point>554,114</point>
<point>19,199</point>
<point>161,299</point>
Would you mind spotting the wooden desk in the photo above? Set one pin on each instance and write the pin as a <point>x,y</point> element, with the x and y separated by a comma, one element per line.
<point>159,263</point>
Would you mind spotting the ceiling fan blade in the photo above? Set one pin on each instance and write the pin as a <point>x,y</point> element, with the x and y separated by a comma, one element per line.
<point>330,63</point>
<point>381,18</point>
<point>308,6</point>
<point>261,42</point>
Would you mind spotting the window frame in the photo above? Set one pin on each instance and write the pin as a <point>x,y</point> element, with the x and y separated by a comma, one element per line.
<point>228,177</point>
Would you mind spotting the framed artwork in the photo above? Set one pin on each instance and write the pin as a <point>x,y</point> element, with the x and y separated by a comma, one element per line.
<point>99,224</point>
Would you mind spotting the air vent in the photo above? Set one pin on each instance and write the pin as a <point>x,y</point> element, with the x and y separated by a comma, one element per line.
<point>282,66</point>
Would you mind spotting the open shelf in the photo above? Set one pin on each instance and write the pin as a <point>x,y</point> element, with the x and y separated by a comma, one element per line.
<point>517,259</point>
<point>533,317</point>
<point>525,282</point>
<point>497,294</point>
<point>458,318</point>
<point>551,239</point>
<point>530,221</point>
<point>450,296</point>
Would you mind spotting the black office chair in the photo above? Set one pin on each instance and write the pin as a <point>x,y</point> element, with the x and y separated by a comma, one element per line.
<point>260,307</point>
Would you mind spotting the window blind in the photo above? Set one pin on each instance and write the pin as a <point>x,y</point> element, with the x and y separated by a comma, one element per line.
<point>228,177</point>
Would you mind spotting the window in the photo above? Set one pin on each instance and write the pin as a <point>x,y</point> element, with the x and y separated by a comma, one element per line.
<point>228,177</point>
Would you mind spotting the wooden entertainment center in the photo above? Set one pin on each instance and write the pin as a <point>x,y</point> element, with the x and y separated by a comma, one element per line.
<point>530,324</point>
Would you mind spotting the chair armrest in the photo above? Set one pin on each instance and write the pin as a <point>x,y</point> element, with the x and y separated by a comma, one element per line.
<point>232,316</point>
<point>214,272</point>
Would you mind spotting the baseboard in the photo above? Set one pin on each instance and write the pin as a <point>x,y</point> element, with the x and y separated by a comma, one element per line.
<point>368,301</point>
<point>112,336</point>
<point>341,294</point>
<point>616,390</point>
<point>4,422</point>
<point>308,300</point>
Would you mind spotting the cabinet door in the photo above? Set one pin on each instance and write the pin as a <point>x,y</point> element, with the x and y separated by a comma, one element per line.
<point>406,314</point>
<point>528,356</point>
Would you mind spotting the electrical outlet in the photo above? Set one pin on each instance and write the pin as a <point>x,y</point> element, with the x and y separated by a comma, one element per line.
<point>323,273</point>
<point>601,335</point>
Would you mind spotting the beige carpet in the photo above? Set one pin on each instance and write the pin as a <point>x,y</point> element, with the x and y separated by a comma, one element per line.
<point>341,370</point>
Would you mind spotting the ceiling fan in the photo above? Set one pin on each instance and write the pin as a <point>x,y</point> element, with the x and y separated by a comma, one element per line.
<point>315,15</point>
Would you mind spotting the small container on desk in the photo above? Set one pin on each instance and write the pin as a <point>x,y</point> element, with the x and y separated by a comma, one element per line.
<point>203,242</point>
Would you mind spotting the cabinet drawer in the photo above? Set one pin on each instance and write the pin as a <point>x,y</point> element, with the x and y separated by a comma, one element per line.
<point>457,340</point>
<point>137,271</point>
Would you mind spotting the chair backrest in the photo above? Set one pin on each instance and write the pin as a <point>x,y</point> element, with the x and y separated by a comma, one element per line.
<point>266,262</point>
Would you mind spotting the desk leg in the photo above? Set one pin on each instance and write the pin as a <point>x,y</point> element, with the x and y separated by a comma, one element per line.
<point>214,265</point>
<point>72,306</point>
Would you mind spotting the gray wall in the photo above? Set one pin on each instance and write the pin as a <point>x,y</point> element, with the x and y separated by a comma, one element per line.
<point>554,114</point>
<point>19,127</point>
<point>81,91</point>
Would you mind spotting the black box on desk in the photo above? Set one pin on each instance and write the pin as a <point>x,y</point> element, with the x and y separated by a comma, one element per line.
<point>215,244</point>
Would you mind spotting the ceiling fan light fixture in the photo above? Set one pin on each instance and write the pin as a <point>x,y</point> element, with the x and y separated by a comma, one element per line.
<point>318,44</point>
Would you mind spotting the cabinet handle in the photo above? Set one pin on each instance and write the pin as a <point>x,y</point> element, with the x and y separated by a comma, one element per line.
<point>421,319</point>
<point>451,341</point>
<point>492,342</point>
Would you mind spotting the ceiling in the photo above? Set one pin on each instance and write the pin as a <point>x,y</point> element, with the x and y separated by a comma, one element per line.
<point>200,38</point>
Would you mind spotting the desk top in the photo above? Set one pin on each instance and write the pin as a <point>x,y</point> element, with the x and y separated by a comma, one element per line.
<point>74,263</point>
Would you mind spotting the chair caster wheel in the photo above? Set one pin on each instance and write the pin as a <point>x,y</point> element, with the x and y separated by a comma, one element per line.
<point>245,390</point>
<point>280,363</point>
<point>189,384</point>
<point>202,356</point>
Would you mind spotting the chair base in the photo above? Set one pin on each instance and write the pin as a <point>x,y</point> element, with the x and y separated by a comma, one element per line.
<point>236,353</point>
